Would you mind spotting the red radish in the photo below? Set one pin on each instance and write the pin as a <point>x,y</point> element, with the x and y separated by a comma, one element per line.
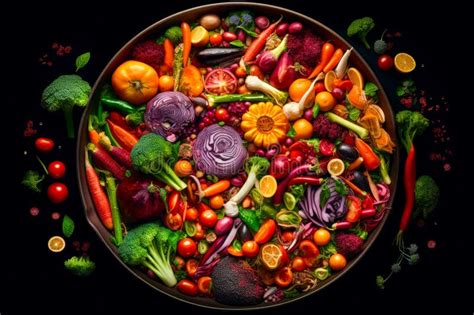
<point>101,202</point>
<point>280,166</point>
<point>284,73</point>
<point>119,154</point>
<point>105,161</point>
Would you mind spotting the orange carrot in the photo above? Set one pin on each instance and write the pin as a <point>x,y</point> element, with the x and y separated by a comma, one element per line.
<point>257,45</point>
<point>352,186</point>
<point>186,30</point>
<point>123,137</point>
<point>101,202</point>
<point>216,188</point>
<point>326,53</point>
<point>94,137</point>
<point>169,53</point>
<point>334,60</point>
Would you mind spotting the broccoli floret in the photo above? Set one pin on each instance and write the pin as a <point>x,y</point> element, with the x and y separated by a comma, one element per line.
<point>151,246</point>
<point>63,94</point>
<point>33,180</point>
<point>410,124</point>
<point>80,266</point>
<point>360,28</point>
<point>174,34</point>
<point>237,19</point>
<point>152,155</point>
<point>380,46</point>
<point>426,196</point>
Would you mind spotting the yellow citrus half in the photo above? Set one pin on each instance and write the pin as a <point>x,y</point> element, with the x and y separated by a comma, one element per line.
<point>404,63</point>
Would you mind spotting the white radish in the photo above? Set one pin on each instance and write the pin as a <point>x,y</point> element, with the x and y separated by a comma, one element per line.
<point>342,65</point>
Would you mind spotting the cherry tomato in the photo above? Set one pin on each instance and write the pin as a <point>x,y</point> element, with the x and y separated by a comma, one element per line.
<point>175,203</point>
<point>256,71</point>
<point>243,89</point>
<point>222,114</point>
<point>250,249</point>
<point>265,232</point>
<point>179,262</point>
<point>187,247</point>
<point>220,81</point>
<point>44,144</point>
<point>354,209</point>
<point>310,252</point>
<point>326,147</point>
<point>322,237</point>
<point>204,285</point>
<point>187,287</point>
<point>191,214</point>
<point>319,87</point>
<point>284,277</point>
<point>215,39</point>
<point>56,169</point>
<point>208,218</point>
<point>200,233</point>
<point>298,264</point>
<point>240,72</point>
<point>173,221</point>
<point>297,155</point>
<point>337,262</point>
<point>288,236</point>
<point>191,267</point>
<point>385,62</point>
<point>57,192</point>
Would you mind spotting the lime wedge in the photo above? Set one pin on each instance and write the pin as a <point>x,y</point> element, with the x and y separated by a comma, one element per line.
<point>289,200</point>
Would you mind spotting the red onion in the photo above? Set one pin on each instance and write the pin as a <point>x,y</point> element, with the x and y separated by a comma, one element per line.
<point>284,73</point>
<point>223,225</point>
<point>262,22</point>
<point>282,29</point>
<point>295,28</point>
<point>280,166</point>
<point>267,60</point>
<point>228,36</point>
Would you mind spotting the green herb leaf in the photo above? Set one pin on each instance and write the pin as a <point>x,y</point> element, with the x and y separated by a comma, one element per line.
<point>180,275</point>
<point>341,188</point>
<point>370,89</point>
<point>315,110</point>
<point>32,180</point>
<point>292,132</point>
<point>82,60</point>
<point>221,123</point>
<point>237,43</point>
<point>401,91</point>
<point>163,195</point>
<point>212,178</point>
<point>161,40</point>
<point>247,31</point>
<point>325,194</point>
<point>68,226</point>
<point>237,245</point>
<point>396,268</point>
<point>298,191</point>
<point>354,113</point>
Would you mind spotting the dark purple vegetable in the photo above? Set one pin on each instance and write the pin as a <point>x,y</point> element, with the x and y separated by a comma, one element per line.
<point>244,233</point>
<point>219,151</point>
<point>347,152</point>
<point>169,114</point>
<point>262,22</point>
<point>284,73</point>
<point>334,208</point>
<point>139,199</point>
<point>224,225</point>
<point>361,181</point>
<point>214,56</point>
<point>267,60</point>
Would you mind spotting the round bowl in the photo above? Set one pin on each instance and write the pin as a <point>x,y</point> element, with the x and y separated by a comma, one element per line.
<point>191,15</point>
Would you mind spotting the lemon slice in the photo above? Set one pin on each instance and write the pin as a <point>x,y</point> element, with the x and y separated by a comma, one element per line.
<point>56,244</point>
<point>271,256</point>
<point>268,186</point>
<point>404,63</point>
<point>356,77</point>
<point>199,36</point>
<point>336,167</point>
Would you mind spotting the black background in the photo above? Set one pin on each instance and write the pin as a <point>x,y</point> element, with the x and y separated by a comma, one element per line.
<point>33,280</point>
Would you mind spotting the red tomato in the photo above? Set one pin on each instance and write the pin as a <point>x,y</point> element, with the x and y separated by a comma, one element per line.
<point>204,285</point>
<point>354,209</point>
<point>296,155</point>
<point>179,262</point>
<point>215,39</point>
<point>220,81</point>
<point>173,221</point>
<point>191,214</point>
<point>222,115</point>
<point>57,192</point>
<point>256,71</point>
<point>250,249</point>
<point>199,232</point>
<point>284,277</point>
<point>310,252</point>
<point>187,247</point>
<point>288,236</point>
<point>191,267</point>
<point>208,218</point>
<point>345,85</point>
<point>326,147</point>
<point>298,264</point>
<point>319,87</point>
<point>56,169</point>
<point>385,62</point>
<point>175,203</point>
<point>265,232</point>
<point>187,287</point>
<point>44,144</point>
<point>241,72</point>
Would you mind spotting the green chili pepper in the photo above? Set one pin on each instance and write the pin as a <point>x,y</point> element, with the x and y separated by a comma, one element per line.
<point>118,105</point>
<point>250,218</point>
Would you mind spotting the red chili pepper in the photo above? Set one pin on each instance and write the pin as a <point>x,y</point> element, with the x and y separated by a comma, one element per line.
<point>306,180</point>
<point>367,213</point>
<point>371,160</point>
<point>409,180</point>
<point>119,120</point>
<point>354,209</point>
<point>344,225</point>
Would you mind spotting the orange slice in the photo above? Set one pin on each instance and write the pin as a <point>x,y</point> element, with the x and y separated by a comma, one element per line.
<point>268,186</point>
<point>376,111</point>
<point>271,256</point>
<point>336,167</point>
<point>329,80</point>
<point>357,97</point>
<point>404,63</point>
<point>56,244</point>
<point>356,77</point>
<point>199,36</point>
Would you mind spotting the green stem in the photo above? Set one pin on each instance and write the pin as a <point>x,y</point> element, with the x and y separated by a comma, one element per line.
<point>69,122</point>
<point>111,188</point>
<point>42,165</point>
<point>236,98</point>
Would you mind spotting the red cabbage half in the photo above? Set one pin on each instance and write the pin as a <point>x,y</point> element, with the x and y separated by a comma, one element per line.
<point>169,114</point>
<point>219,151</point>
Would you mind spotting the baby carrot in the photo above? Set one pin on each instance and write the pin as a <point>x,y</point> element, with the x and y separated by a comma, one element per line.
<point>334,60</point>
<point>186,30</point>
<point>216,188</point>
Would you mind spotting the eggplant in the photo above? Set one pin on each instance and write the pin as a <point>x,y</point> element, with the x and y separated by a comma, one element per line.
<point>347,152</point>
<point>215,56</point>
<point>361,181</point>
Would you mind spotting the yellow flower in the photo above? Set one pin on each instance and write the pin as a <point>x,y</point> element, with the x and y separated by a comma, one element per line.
<point>264,124</point>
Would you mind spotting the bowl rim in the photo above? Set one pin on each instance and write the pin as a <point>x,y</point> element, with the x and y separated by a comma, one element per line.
<point>89,208</point>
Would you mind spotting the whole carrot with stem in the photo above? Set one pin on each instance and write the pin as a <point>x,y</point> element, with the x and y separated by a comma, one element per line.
<point>169,53</point>
<point>186,30</point>
<point>257,45</point>
<point>99,198</point>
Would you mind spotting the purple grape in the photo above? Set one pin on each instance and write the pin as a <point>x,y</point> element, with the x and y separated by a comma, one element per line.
<point>338,94</point>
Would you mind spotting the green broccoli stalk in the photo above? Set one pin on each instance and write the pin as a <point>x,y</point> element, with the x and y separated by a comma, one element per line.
<point>32,180</point>
<point>151,246</point>
<point>80,266</point>
<point>63,94</point>
<point>410,124</point>
<point>151,156</point>
<point>359,130</point>
<point>255,168</point>
<point>360,28</point>
<point>229,98</point>
<point>384,168</point>
<point>426,196</point>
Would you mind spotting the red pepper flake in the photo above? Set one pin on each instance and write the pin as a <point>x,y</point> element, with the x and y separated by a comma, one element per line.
<point>431,244</point>
<point>55,46</point>
<point>29,130</point>
<point>447,167</point>
<point>55,215</point>
<point>76,245</point>
<point>34,211</point>
<point>85,246</point>
<point>67,49</point>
